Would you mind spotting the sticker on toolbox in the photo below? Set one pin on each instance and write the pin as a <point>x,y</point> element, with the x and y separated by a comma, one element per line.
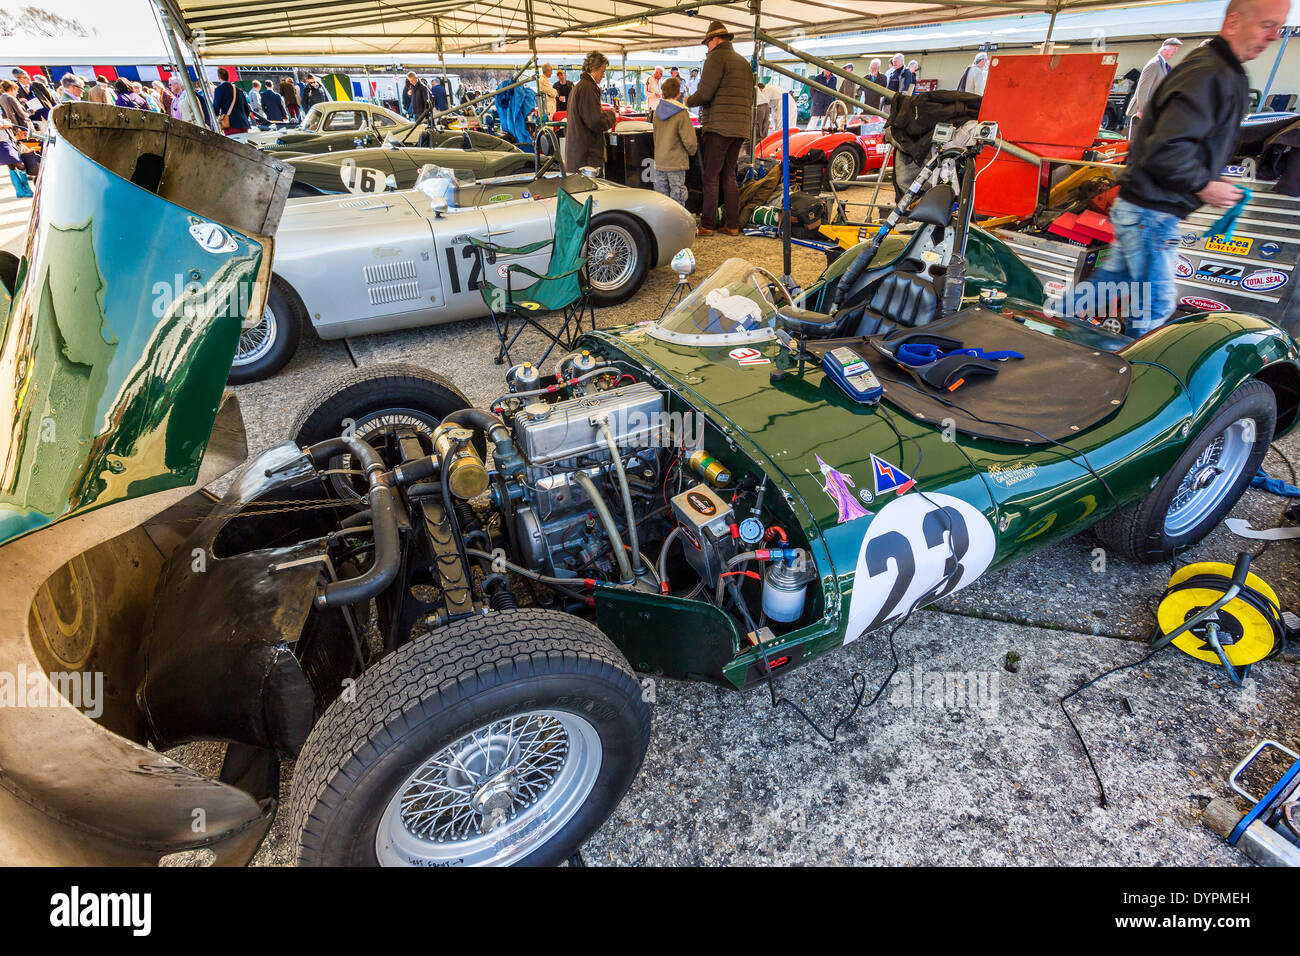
<point>1184,269</point>
<point>1236,246</point>
<point>1264,280</point>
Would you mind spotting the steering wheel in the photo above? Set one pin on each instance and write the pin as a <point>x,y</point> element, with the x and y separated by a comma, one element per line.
<point>773,284</point>
<point>553,158</point>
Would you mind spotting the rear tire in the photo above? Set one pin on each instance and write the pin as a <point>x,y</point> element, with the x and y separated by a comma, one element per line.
<point>1192,498</point>
<point>267,347</point>
<point>618,257</point>
<point>528,719</point>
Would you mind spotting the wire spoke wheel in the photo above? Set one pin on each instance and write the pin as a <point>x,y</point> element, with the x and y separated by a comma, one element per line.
<point>611,257</point>
<point>493,795</point>
<point>1211,477</point>
<point>844,167</point>
<point>256,342</point>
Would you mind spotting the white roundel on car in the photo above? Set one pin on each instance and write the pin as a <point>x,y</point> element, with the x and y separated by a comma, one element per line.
<point>361,179</point>
<point>917,549</point>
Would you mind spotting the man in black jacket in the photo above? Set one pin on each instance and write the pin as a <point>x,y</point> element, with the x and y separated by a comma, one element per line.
<point>1185,138</point>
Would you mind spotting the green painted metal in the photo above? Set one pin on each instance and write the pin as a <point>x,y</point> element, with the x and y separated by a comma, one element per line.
<point>116,346</point>
<point>1181,374</point>
<point>668,636</point>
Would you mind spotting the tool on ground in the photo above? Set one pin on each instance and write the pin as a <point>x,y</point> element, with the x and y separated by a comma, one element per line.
<point>1269,832</point>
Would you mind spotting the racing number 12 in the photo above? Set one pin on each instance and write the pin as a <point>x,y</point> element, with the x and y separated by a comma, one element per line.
<point>469,253</point>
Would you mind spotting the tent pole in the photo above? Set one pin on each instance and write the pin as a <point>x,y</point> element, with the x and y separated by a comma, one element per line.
<point>623,85</point>
<point>1011,149</point>
<point>458,107</point>
<point>532,48</point>
<point>442,61</point>
<point>788,279</point>
<point>1051,26</point>
<point>641,14</point>
<point>1286,35</point>
<point>834,70</point>
<point>756,6</point>
<point>169,35</point>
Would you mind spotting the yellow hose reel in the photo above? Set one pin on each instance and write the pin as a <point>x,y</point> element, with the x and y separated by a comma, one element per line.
<point>1221,614</point>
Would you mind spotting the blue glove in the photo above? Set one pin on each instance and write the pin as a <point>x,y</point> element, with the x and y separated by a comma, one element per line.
<point>1274,486</point>
<point>1224,225</point>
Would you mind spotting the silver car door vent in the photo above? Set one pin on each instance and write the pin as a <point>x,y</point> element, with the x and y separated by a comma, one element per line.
<point>365,201</point>
<point>390,271</point>
<point>394,292</point>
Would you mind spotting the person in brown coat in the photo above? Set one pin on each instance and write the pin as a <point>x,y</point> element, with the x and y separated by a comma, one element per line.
<point>586,123</point>
<point>290,94</point>
<point>726,95</point>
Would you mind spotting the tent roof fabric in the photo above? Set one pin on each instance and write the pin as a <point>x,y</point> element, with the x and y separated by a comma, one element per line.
<point>391,27</point>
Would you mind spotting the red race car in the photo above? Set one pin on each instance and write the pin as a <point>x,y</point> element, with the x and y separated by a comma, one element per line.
<point>855,148</point>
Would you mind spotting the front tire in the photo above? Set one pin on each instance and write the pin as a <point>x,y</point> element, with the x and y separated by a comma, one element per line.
<point>618,257</point>
<point>1202,486</point>
<point>501,740</point>
<point>267,347</point>
<point>372,403</point>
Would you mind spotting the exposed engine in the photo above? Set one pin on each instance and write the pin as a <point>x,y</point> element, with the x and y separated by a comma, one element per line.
<point>601,439</point>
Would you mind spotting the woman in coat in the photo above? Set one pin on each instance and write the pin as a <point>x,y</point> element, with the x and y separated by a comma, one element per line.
<point>128,97</point>
<point>12,109</point>
<point>290,94</point>
<point>586,123</point>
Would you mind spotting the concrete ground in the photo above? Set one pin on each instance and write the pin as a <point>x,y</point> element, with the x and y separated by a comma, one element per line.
<point>913,779</point>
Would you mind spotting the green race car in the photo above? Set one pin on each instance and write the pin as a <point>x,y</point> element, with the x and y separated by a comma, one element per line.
<point>448,643</point>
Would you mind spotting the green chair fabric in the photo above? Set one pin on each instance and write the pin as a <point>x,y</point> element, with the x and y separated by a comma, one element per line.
<point>561,289</point>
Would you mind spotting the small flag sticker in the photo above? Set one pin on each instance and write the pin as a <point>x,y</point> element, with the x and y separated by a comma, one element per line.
<point>888,477</point>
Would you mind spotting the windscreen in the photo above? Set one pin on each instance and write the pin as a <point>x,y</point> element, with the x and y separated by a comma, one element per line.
<point>736,303</point>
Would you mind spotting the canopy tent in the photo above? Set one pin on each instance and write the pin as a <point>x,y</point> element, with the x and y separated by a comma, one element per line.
<point>230,28</point>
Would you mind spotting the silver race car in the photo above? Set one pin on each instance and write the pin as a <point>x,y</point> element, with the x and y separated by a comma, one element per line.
<point>352,265</point>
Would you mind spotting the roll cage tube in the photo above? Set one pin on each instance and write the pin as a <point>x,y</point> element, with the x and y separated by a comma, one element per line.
<point>863,260</point>
<point>383,511</point>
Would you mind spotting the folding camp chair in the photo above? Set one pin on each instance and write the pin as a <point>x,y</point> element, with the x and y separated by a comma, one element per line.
<point>564,288</point>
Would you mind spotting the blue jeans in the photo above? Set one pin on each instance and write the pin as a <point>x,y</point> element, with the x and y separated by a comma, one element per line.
<point>1141,266</point>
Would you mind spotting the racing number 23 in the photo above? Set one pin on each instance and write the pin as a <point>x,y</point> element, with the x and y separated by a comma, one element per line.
<point>918,549</point>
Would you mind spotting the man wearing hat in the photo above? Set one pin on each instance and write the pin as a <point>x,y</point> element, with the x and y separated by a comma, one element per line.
<point>1156,69</point>
<point>726,97</point>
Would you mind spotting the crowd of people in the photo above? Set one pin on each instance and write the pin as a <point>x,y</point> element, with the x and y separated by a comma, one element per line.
<point>234,109</point>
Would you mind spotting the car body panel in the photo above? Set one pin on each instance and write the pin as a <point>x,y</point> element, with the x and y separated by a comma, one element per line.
<point>398,167</point>
<point>114,378</point>
<point>337,253</point>
<point>135,397</point>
